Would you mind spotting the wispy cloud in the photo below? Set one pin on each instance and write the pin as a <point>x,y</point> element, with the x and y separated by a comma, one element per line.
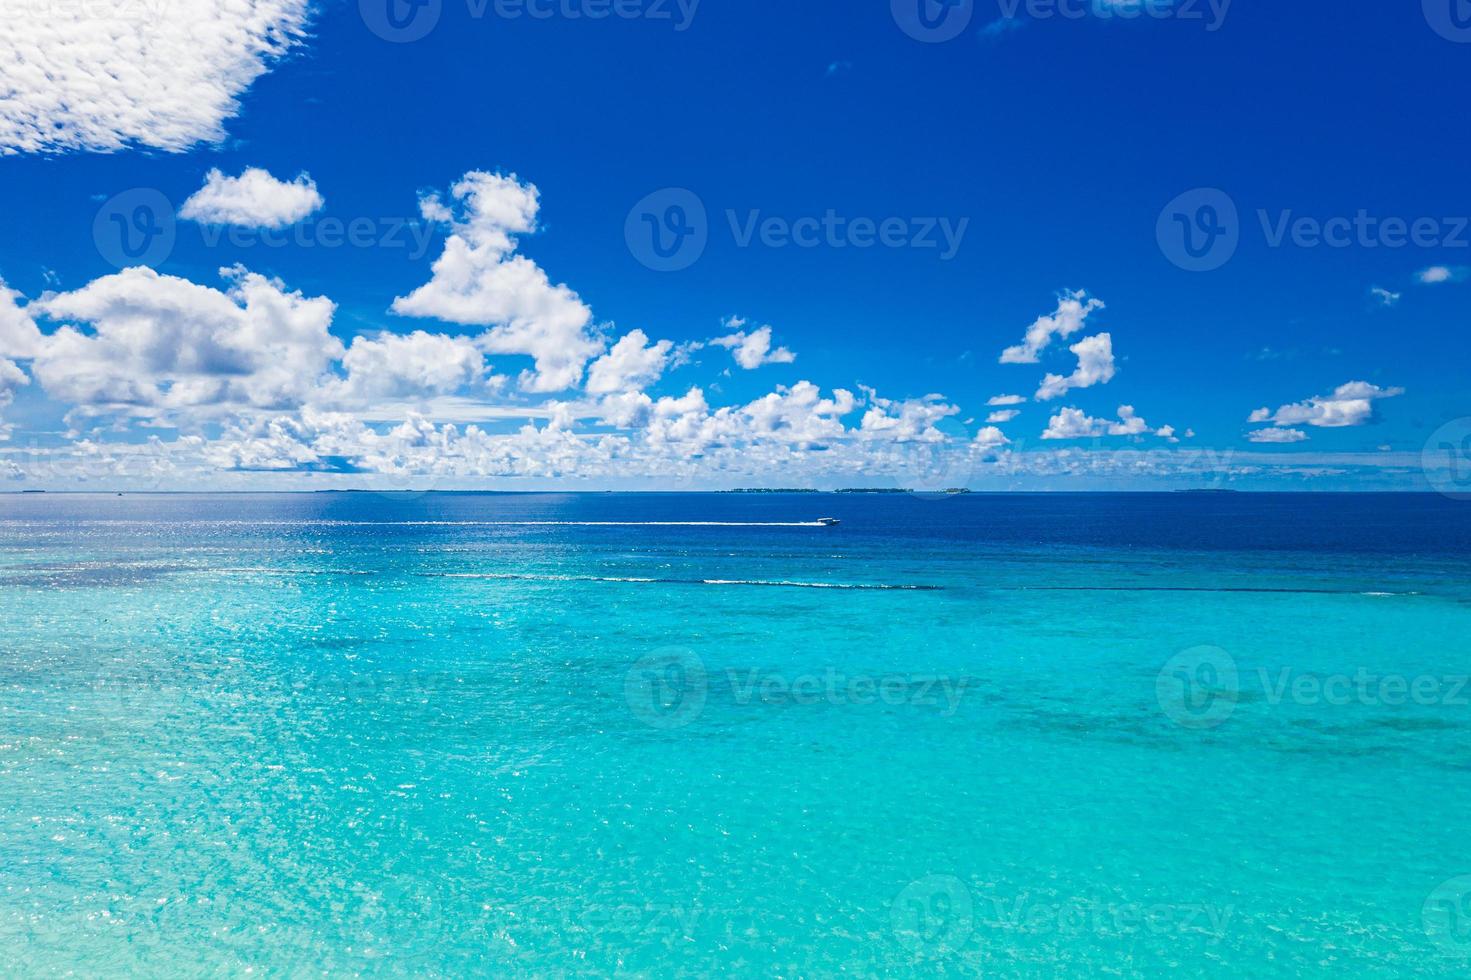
<point>1437,274</point>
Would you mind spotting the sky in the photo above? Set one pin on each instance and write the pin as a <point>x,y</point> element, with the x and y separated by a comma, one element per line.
<point>692,244</point>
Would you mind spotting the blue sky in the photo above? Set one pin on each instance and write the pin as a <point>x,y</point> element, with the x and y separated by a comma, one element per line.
<point>1047,145</point>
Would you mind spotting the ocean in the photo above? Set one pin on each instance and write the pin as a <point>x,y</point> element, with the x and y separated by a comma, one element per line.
<point>702,735</point>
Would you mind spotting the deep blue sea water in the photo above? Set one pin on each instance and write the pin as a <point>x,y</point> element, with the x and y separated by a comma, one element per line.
<point>695,735</point>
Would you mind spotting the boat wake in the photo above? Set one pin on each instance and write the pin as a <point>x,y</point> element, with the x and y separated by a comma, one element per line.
<point>825,522</point>
<point>767,583</point>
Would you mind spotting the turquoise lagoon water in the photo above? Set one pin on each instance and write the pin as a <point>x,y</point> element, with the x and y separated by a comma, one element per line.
<point>562,735</point>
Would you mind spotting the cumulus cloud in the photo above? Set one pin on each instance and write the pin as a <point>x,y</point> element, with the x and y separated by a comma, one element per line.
<point>911,420</point>
<point>162,344</point>
<point>989,438</point>
<point>1095,366</point>
<point>11,378</point>
<point>84,76</point>
<point>1071,315</point>
<point>255,382</point>
<point>411,365</point>
<point>479,280</point>
<point>415,452</point>
<point>798,414</point>
<point>1350,404</point>
<point>316,440</point>
<point>1072,423</point>
<point>1437,274</point>
<point>255,199</point>
<point>753,349</point>
<point>632,364</point>
<point>1277,435</point>
<point>19,337</point>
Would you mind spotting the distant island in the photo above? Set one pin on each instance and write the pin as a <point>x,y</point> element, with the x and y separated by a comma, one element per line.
<point>949,490</point>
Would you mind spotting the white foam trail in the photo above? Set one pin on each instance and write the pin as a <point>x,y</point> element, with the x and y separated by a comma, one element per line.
<point>771,583</point>
<point>327,523</point>
<point>280,571</point>
<point>599,523</point>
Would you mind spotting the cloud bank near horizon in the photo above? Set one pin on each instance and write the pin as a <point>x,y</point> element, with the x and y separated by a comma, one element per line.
<point>511,376</point>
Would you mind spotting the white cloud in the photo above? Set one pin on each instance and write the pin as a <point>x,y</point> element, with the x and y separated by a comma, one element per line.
<point>1384,296</point>
<point>1072,423</point>
<point>160,344</point>
<point>1005,415</point>
<point>679,422</point>
<point>415,452</point>
<point>479,280</point>
<point>11,378</point>
<point>798,414</point>
<point>1443,273</point>
<point>631,365</point>
<point>1070,316</point>
<point>911,420</point>
<point>101,77</point>
<point>255,382</point>
<point>1350,404</point>
<point>989,438</point>
<point>626,410</point>
<point>1277,435</point>
<point>751,350</point>
<point>255,199</point>
<point>1095,366</point>
<point>411,365</point>
<point>19,336</point>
